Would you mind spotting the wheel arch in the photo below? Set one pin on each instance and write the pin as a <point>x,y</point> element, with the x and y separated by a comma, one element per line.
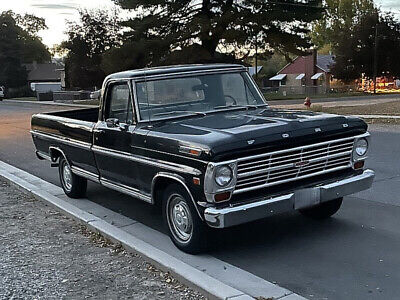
<point>162,180</point>
<point>55,154</point>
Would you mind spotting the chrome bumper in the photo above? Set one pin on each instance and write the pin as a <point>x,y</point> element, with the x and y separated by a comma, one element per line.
<point>303,198</point>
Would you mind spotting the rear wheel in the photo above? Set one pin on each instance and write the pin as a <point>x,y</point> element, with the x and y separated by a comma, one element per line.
<point>74,186</point>
<point>185,228</point>
<point>323,210</point>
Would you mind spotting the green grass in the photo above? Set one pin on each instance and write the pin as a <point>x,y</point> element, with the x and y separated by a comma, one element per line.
<point>279,96</point>
<point>385,109</point>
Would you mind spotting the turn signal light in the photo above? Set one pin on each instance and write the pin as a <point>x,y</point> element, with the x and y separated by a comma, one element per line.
<point>359,165</point>
<point>196,181</point>
<point>222,196</point>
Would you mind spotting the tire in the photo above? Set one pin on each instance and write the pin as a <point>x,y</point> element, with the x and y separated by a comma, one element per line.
<point>185,228</point>
<point>323,210</point>
<point>73,185</point>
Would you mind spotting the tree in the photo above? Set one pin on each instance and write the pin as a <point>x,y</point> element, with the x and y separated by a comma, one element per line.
<point>355,52</point>
<point>339,19</point>
<point>19,43</point>
<point>209,27</point>
<point>96,33</point>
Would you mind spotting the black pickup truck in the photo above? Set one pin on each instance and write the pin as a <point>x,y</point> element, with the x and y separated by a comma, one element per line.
<point>201,142</point>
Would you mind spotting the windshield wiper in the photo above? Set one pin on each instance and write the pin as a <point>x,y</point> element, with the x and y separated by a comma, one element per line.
<point>229,106</point>
<point>256,105</point>
<point>179,112</point>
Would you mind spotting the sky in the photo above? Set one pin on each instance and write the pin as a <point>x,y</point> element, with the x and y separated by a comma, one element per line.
<point>56,12</point>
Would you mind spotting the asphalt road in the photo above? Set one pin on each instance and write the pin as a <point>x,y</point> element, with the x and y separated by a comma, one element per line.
<point>354,255</point>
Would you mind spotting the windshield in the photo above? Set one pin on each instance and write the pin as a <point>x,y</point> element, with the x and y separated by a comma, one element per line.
<point>196,94</point>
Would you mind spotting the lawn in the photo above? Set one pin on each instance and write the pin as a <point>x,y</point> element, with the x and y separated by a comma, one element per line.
<point>388,108</point>
<point>279,96</point>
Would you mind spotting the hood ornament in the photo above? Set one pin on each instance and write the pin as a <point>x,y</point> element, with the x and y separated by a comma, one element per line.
<point>251,142</point>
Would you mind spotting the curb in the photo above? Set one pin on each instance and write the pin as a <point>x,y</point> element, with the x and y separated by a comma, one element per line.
<point>377,117</point>
<point>51,103</point>
<point>187,274</point>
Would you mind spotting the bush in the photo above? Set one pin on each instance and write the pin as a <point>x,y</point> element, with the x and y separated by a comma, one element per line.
<point>23,91</point>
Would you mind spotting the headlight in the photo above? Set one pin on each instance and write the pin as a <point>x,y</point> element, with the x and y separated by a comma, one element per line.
<point>223,175</point>
<point>361,147</point>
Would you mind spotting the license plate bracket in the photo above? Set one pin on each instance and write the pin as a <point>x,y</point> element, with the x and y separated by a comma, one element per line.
<point>307,197</point>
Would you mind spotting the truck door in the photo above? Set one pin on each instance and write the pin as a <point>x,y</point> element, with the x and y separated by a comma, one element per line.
<point>112,138</point>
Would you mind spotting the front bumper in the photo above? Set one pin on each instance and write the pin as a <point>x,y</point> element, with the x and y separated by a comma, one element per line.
<point>303,198</point>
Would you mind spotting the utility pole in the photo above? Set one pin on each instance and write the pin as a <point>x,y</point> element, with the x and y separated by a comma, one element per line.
<point>256,59</point>
<point>376,56</point>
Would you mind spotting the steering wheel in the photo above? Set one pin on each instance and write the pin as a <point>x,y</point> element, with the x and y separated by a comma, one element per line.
<point>234,102</point>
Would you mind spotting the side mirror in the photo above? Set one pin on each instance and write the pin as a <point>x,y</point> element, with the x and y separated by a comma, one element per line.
<point>112,123</point>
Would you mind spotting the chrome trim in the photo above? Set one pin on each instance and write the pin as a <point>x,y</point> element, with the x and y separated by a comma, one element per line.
<point>147,77</point>
<point>355,157</point>
<point>125,190</point>
<point>135,100</point>
<point>295,177</point>
<point>63,140</point>
<point>268,206</point>
<point>146,160</point>
<point>42,155</point>
<point>59,150</point>
<point>211,187</point>
<point>181,181</point>
<point>302,147</point>
<point>86,174</point>
<point>173,154</point>
<point>292,179</point>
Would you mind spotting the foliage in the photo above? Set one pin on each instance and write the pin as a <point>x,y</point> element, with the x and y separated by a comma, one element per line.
<point>96,33</point>
<point>19,43</point>
<point>200,30</point>
<point>348,29</point>
<point>355,53</point>
<point>272,65</point>
<point>340,18</point>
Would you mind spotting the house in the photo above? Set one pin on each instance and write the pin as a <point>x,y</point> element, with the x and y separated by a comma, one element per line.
<point>52,72</point>
<point>306,75</point>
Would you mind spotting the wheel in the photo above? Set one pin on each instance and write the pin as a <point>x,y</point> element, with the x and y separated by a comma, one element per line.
<point>323,210</point>
<point>185,228</point>
<point>73,185</point>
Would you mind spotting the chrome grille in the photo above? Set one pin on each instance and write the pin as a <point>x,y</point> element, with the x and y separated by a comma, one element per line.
<point>293,164</point>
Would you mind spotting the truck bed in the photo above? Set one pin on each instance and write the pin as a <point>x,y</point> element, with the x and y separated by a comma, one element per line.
<point>69,131</point>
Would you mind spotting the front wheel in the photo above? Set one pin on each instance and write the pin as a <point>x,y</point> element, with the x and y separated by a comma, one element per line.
<point>185,228</point>
<point>73,185</point>
<point>323,210</point>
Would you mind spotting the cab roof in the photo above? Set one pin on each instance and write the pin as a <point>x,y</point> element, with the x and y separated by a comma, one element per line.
<point>172,69</point>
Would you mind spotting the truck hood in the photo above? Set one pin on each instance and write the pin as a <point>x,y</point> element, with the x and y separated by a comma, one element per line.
<point>225,135</point>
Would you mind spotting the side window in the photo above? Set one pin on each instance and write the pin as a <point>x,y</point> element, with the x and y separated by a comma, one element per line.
<point>119,104</point>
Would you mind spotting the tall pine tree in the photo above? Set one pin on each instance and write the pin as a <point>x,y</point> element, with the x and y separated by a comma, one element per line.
<point>202,29</point>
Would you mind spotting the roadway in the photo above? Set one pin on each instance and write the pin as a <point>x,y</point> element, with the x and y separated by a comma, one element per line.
<point>354,255</point>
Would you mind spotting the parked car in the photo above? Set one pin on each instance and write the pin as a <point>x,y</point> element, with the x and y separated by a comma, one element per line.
<point>201,142</point>
<point>2,92</point>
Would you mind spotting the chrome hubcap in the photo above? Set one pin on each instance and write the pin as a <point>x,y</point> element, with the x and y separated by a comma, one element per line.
<point>179,218</point>
<point>67,176</point>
